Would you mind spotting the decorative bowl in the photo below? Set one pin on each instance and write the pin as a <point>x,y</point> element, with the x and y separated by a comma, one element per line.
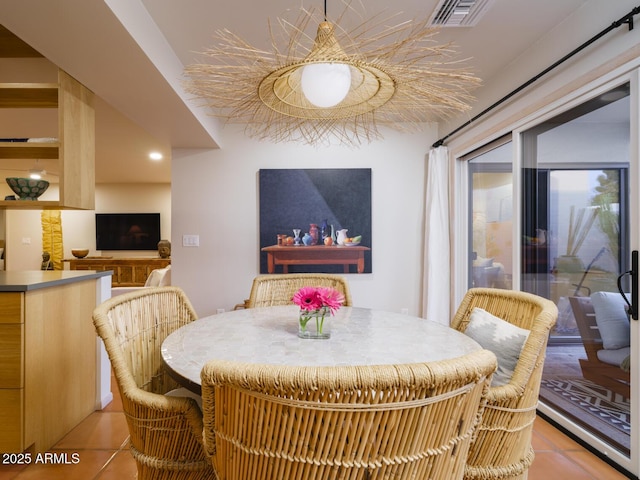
<point>27,188</point>
<point>79,252</point>
<point>353,241</point>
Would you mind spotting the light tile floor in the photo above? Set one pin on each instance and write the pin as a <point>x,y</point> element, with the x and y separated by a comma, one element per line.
<point>100,442</point>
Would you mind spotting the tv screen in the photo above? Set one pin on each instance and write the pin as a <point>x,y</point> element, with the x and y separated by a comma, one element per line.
<point>127,231</point>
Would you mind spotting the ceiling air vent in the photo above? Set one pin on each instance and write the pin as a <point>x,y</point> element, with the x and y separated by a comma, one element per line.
<point>459,13</point>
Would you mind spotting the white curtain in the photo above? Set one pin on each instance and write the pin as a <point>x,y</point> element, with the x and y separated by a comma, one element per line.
<point>436,298</point>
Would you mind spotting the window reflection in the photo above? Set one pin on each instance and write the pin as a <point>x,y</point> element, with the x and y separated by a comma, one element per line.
<point>491,204</point>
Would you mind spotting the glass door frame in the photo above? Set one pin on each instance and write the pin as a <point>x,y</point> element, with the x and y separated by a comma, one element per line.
<point>631,464</point>
<point>460,246</point>
<point>634,244</point>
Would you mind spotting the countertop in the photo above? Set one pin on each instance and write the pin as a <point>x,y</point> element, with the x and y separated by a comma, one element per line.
<point>23,281</point>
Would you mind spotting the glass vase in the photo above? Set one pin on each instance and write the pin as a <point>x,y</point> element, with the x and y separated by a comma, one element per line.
<point>314,323</point>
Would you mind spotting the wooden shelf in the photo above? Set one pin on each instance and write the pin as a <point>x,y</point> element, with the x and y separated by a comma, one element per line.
<point>32,150</point>
<point>28,95</point>
<point>30,204</point>
<point>75,149</point>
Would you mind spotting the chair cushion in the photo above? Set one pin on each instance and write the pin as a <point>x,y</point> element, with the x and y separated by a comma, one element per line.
<point>483,262</point>
<point>183,392</point>
<point>612,319</point>
<point>158,277</point>
<point>165,281</point>
<point>502,338</point>
<point>614,357</point>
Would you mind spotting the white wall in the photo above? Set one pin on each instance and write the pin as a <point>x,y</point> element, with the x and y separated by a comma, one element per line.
<point>215,195</point>
<point>24,235</point>
<point>24,240</point>
<point>24,231</point>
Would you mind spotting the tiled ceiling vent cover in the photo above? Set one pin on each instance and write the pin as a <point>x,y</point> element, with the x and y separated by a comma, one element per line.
<point>459,13</point>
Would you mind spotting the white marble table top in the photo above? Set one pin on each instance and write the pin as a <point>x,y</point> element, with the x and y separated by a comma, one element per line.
<point>359,336</point>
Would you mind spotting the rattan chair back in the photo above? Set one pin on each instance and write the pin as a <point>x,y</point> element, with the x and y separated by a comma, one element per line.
<point>349,422</point>
<point>165,432</point>
<point>502,448</point>
<point>278,289</point>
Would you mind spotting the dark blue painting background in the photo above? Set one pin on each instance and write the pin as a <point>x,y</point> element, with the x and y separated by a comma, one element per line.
<point>296,198</point>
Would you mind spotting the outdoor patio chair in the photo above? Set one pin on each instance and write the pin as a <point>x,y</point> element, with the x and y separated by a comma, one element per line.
<point>609,375</point>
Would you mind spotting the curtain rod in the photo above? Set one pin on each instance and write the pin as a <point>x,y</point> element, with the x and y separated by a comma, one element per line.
<point>627,19</point>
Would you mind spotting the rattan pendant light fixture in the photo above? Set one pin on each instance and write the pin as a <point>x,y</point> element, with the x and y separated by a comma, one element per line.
<point>334,87</point>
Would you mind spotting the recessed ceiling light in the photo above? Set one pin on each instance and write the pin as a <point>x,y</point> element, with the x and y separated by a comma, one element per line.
<point>155,156</point>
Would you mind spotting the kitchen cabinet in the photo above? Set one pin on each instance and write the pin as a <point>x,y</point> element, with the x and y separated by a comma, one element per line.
<point>47,356</point>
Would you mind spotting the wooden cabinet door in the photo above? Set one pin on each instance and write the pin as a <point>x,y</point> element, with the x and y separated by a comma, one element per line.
<point>12,371</point>
<point>11,417</point>
<point>11,361</point>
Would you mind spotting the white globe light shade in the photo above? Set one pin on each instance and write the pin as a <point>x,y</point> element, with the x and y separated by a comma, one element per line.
<point>326,84</point>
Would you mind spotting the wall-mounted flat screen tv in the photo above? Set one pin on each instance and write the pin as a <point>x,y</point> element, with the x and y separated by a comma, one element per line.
<point>127,231</point>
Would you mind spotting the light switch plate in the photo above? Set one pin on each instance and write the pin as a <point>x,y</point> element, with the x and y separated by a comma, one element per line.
<point>191,240</point>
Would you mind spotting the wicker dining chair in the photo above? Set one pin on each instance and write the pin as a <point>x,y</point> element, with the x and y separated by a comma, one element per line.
<point>273,422</point>
<point>278,289</point>
<point>502,447</point>
<point>165,431</point>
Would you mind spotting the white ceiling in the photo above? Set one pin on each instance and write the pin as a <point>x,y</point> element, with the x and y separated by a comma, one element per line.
<point>188,25</point>
<point>131,54</point>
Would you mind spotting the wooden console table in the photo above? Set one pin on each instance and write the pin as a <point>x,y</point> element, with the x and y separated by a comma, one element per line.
<point>315,255</point>
<point>127,272</point>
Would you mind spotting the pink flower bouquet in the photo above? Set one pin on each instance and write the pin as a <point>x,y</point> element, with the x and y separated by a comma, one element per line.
<point>316,302</point>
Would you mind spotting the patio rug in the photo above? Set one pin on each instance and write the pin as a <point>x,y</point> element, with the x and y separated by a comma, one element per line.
<point>595,408</point>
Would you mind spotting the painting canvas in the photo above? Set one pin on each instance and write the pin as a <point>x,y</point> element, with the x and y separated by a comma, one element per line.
<point>296,198</point>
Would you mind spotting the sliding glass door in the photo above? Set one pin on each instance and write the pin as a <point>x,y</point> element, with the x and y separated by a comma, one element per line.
<point>575,245</point>
<point>567,240</point>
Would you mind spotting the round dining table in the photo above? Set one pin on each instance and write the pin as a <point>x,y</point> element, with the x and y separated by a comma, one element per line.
<point>269,335</point>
